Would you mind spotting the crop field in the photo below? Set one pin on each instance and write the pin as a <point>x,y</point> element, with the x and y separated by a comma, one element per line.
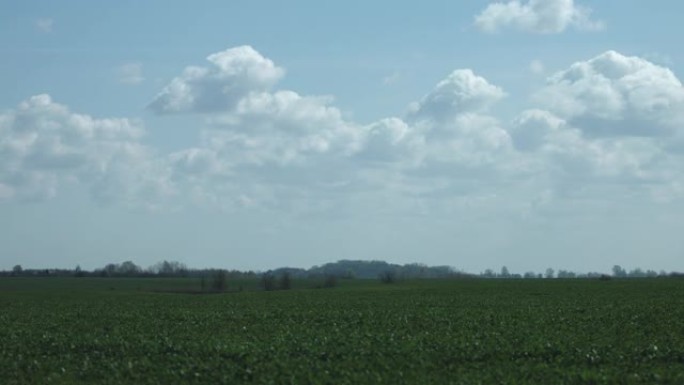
<point>98,330</point>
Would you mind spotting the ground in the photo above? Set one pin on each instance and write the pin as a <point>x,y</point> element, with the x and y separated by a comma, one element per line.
<point>102,330</point>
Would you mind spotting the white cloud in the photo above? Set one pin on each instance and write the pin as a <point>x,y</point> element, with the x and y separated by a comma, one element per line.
<point>265,148</point>
<point>538,16</point>
<point>45,25</point>
<point>233,74</point>
<point>391,140</point>
<point>565,157</point>
<point>614,123</point>
<point>613,94</point>
<point>283,128</point>
<point>276,145</point>
<point>43,145</point>
<point>461,92</point>
<point>532,128</point>
<point>131,73</point>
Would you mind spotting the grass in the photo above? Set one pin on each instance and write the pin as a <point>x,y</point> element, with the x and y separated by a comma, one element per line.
<point>68,330</point>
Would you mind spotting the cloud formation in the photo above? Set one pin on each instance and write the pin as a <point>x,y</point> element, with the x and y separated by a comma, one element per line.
<point>44,145</point>
<point>462,91</point>
<point>271,146</point>
<point>612,119</point>
<point>601,124</point>
<point>233,74</point>
<point>614,94</point>
<point>536,16</point>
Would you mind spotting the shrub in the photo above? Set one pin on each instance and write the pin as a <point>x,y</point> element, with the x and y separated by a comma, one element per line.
<point>329,281</point>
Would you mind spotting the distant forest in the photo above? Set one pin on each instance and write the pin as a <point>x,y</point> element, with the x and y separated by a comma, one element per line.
<point>343,269</point>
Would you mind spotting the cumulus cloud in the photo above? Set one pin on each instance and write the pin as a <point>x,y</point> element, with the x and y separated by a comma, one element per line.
<point>283,128</point>
<point>611,120</point>
<point>614,94</point>
<point>43,145</point>
<point>391,140</point>
<point>232,74</point>
<point>462,91</point>
<point>274,146</point>
<point>262,140</point>
<point>537,16</point>
<point>455,126</point>
<point>565,156</point>
<point>532,128</point>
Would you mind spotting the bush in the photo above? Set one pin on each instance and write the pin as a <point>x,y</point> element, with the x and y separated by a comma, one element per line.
<point>330,281</point>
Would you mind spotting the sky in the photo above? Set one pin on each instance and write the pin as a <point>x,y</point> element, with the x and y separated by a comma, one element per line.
<point>259,134</point>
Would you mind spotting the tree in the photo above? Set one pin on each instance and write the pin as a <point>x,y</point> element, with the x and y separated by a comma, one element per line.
<point>619,272</point>
<point>388,276</point>
<point>110,270</point>
<point>17,270</point>
<point>566,274</point>
<point>268,280</point>
<point>505,273</point>
<point>285,281</point>
<point>170,268</point>
<point>219,280</point>
<point>129,268</point>
<point>550,273</point>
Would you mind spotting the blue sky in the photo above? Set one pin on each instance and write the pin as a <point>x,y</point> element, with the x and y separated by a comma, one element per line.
<point>258,134</point>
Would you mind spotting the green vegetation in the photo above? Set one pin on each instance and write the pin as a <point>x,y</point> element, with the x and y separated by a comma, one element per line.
<point>112,330</point>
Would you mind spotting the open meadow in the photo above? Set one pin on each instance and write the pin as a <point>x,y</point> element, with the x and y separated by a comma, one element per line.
<point>470,331</point>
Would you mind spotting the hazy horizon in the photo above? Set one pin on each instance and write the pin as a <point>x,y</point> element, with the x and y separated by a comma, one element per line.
<point>255,135</point>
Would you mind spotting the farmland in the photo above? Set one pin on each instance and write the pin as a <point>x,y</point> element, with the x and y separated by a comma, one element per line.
<point>98,330</point>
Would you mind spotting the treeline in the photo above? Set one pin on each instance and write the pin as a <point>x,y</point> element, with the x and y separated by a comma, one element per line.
<point>374,269</point>
<point>343,269</point>
<point>129,269</point>
<point>617,272</point>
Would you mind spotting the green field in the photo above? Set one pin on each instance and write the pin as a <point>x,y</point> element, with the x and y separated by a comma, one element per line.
<point>98,330</point>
